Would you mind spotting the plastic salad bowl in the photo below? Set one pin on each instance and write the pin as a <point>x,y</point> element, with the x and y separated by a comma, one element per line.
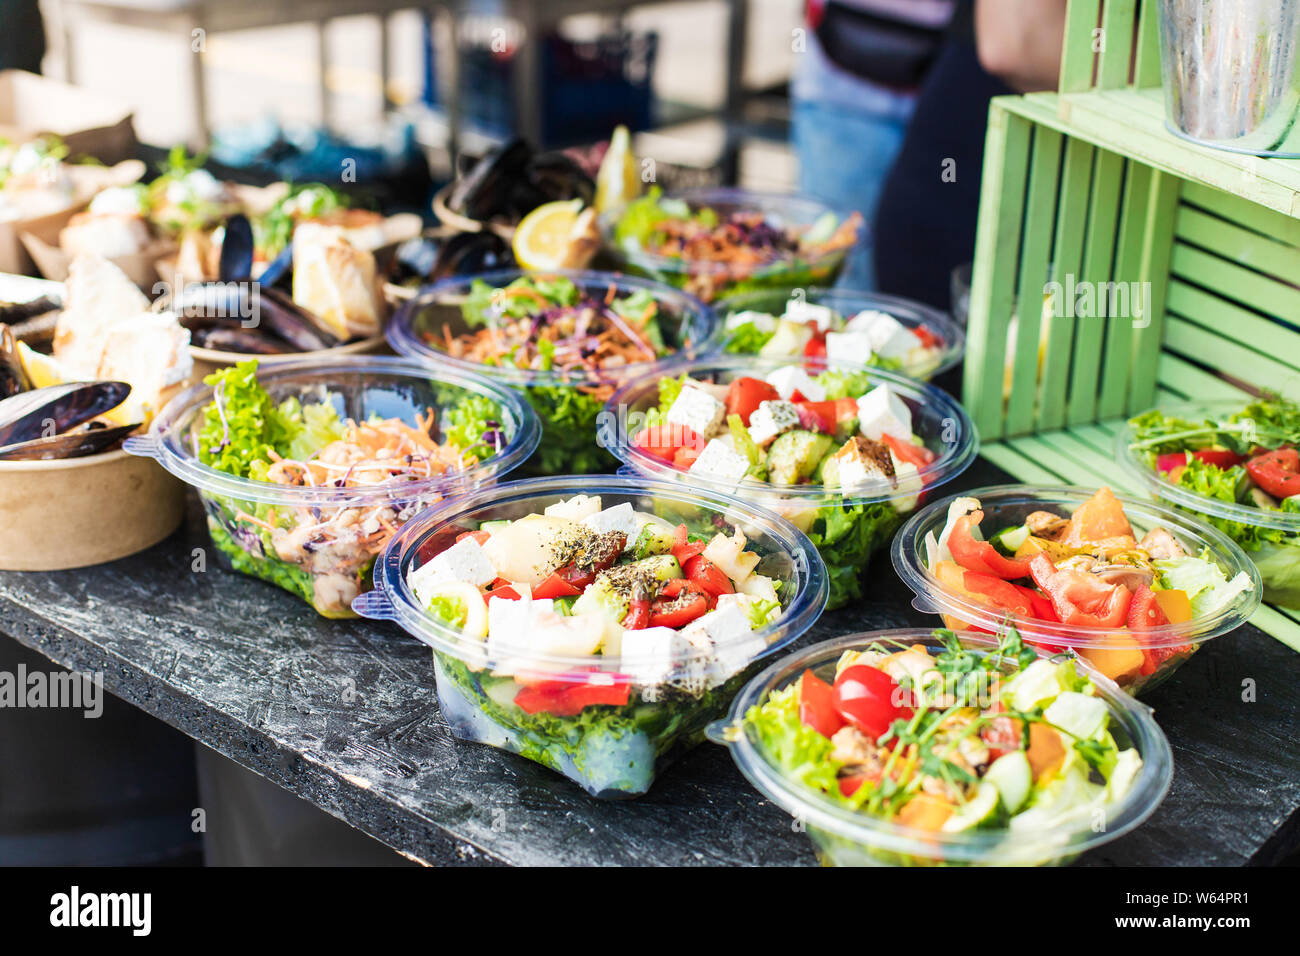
<point>564,383</point>
<point>319,540</point>
<point>1270,536</point>
<point>847,525</point>
<point>1038,801</point>
<point>627,232</point>
<point>1136,653</point>
<point>607,718</point>
<point>883,331</point>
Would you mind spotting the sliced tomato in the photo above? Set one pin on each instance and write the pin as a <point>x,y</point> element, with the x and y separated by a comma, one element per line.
<point>1002,734</point>
<point>869,699</point>
<point>480,536</point>
<point>849,785</point>
<point>501,588</point>
<point>1219,457</point>
<point>661,441</point>
<point>1080,598</point>
<point>1153,658</point>
<point>683,547</point>
<point>1144,611</point>
<point>638,614</point>
<point>555,586</point>
<point>679,603</point>
<point>999,593</point>
<point>1167,463</point>
<point>815,347</point>
<point>708,576</point>
<point>817,705</point>
<point>928,339</point>
<point>685,456</point>
<point>906,451</point>
<point>975,555</point>
<point>1277,472</point>
<point>745,394</point>
<point>568,698</point>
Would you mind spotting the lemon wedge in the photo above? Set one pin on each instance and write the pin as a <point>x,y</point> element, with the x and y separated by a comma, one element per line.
<point>617,181</point>
<point>42,369</point>
<point>542,237</point>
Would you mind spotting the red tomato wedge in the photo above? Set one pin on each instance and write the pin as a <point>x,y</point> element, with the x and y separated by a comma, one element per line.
<point>928,339</point>
<point>685,456</point>
<point>1277,472</point>
<point>817,705</point>
<point>679,603</point>
<point>571,698</point>
<point>638,615</point>
<point>1144,611</point>
<point>867,698</point>
<point>1219,457</point>
<point>1080,598</point>
<point>745,394</point>
<point>555,586</point>
<point>683,548</point>
<point>662,441</point>
<point>975,555</point>
<point>1171,461</point>
<point>816,348</point>
<point>906,451</point>
<point>711,578</point>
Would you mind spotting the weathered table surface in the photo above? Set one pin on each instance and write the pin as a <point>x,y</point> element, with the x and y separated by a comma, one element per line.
<point>344,715</point>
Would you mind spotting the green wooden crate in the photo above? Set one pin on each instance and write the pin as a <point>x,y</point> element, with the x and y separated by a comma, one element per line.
<point>1188,258</point>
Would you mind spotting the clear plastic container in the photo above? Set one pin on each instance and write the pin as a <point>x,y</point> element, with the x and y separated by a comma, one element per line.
<point>946,354</point>
<point>712,280</point>
<point>1270,538</point>
<point>567,402</point>
<point>845,837</point>
<point>610,750</point>
<point>1110,650</point>
<point>846,528</point>
<point>328,572</point>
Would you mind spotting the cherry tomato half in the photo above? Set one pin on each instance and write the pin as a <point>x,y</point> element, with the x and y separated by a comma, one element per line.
<point>869,699</point>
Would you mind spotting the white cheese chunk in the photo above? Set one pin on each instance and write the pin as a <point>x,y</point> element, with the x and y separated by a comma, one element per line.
<point>909,483</point>
<point>889,338</point>
<point>801,310</point>
<point>852,347</point>
<point>859,473</point>
<point>790,379</point>
<point>734,642</point>
<point>720,463</point>
<point>865,319</point>
<point>576,508</point>
<point>881,412</point>
<point>509,623</point>
<point>652,654</point>
<point>697,410</point>
<point>771,419</point>
<point>463,561</point>
<point>618,518</point>
<point>760,320</point>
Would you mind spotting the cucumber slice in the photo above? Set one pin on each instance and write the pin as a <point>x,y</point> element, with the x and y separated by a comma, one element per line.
<point>1013,777</point>
<point>492,527</point>
<point>978,809</point>
<point>1010,539</point>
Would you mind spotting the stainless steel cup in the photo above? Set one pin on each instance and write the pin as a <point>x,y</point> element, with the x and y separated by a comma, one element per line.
<point>1230,72</point>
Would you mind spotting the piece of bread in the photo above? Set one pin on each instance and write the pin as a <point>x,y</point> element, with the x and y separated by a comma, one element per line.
<point>98,292</point>
<point>336,281</point>
<point>151,352</point>
<point>111,235</point>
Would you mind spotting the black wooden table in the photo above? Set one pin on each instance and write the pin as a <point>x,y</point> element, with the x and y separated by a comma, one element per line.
<point>344,715</point>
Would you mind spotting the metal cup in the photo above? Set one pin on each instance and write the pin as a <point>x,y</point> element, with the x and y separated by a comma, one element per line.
<point>1230,72</point>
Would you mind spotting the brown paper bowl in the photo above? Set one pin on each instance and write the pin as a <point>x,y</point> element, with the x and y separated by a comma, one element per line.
<point>83,511</point>
<point>207,361</point>
<point>139,267</point>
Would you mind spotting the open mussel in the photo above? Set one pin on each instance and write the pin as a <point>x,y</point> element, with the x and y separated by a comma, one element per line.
<point>236,261</point>
<point>232,338</point>
<point>428,259</point>
<point>250,305</point>
<point>514,179</point>
<point>13,377</point>
<point>57,421</point>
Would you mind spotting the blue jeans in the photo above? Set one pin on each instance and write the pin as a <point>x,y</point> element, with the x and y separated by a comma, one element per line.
<point>846,151</point>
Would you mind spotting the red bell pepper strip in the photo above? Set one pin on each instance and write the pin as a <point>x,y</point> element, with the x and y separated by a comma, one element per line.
<point>816,705</point>
<point>1079,598</point>
<point>974,555</point>
<point>708,576</point>
<point>683,548</point>
<point>555,586</point>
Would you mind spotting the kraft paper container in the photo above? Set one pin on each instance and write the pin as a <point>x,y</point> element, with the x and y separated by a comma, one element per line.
<point>207,361</point>
<point>82,511</point>
<point>140,267</point>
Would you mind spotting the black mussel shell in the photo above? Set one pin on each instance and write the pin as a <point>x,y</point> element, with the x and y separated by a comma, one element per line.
<point>13,312</point>
<point>469,252</point>
<point>280,315</point>
<point>225,338</point>
<point>485,191</point>
<point>73,444</point>
<point>13,377</point>
<point>236,249</point>
<point>556,175</point>
<point>44,412</point>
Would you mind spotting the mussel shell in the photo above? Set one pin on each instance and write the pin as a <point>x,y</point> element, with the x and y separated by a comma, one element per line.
<point>73,444</point>
<point>282,316</point>
<point>13,377</point>
<point>225,338</point>
<point>469,252</point>
<point>251,305</point>
<point>30,415</point>
<point>236,260</point>
<point>556,175</point>
<point>11,312</point>
<point>277,268</point>
<point>485,191</point>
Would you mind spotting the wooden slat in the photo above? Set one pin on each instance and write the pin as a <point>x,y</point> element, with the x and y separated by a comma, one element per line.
<point>1154,266</point>
<point>1237,283</point>
<point>1276,624</point>
<point>1146,69</point>
<point>1215,351</point>
<point>1242,246</point>
<point>1048,447</point>
<point>1184,378</point>
<point>1039,222</point>
<point>1117,21</point>
<point>1002,197</point>
<point>1249,328</point>
<point>1096,269</point>
<point>1023,469</point>
<point>1116,369</point>
<point>1243,212</point>
<point>1067,261</point>
<point>1077,57</point>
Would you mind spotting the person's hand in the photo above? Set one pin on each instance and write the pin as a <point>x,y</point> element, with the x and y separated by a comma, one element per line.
<point>1019,41</point>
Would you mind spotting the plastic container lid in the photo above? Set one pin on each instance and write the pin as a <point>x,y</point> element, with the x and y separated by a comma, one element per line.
<point>695,334</point>
<point>936,418</point>
<point>1006,505</point>
<point>908,312</point>
<point>781,210</point>
<point>780,543</point>
<point>358,386</point>
<point>990,846</point>
<point>1186,497</point>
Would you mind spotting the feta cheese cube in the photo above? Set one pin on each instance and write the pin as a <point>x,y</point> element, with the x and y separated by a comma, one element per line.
<point>865,319</point>
<point>760,320</point>
<point>801,310</point>
<point>575,509</point>
<point>881,412</point>
<point>652,654</point>
<point>889,338</point>
<point>734,641</point>
<point>618,518</point>
<point>860,471</point>
<point>463,561</point>
<point>720,463</point>
<point>790,379</point>
<point>510,626</point>
<point>697,410</point>
<point>908,479</point>
<point>771,419</point>
<point>852,347</point>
